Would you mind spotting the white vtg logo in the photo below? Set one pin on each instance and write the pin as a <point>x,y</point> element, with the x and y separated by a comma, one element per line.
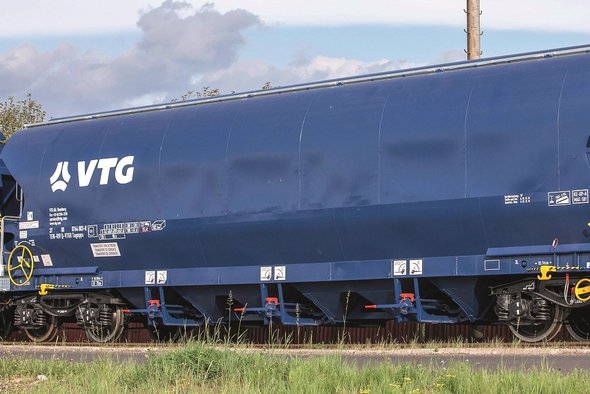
<point>123,170</point>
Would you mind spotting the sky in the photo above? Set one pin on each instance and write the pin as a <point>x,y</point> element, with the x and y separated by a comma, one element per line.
<point>78,57</point>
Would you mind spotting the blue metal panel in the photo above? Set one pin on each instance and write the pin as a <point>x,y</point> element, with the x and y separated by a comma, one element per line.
<point>340,147</point>
<point>263,155</point>
<point>511,137</point>
<point>573,131</point>
<point>193,160</point>
<point>142,139</point>
<point>423,139</point>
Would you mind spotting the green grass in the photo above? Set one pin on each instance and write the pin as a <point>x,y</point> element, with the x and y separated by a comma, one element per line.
<point>201,368</point>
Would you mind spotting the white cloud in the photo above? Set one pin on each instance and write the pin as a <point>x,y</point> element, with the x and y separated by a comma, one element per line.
<point>324,67</point>
<point>23,66</point>
<point>449,56</point>
<point>180,48</point>
<point>251,75</point>
<point>171,50</point>
<point>145,99</point>
<point>33,17</point>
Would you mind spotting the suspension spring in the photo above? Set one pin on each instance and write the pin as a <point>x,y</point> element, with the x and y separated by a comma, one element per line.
<point>502,303</point>
<point>40,317</point>
<point>30,316</point>
<point>105,317</point>
<point>502,313</point>
<point>17,317</point>
<point>544,311</point>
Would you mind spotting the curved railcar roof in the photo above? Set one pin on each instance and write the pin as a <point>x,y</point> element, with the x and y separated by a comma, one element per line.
<point>333,82</point>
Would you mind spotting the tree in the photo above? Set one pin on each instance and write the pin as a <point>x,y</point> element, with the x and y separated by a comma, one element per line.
<point>14,115</point>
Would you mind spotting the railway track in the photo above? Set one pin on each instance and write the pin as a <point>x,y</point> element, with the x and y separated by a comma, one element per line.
<point>560,357</point>
<point>319,346</point>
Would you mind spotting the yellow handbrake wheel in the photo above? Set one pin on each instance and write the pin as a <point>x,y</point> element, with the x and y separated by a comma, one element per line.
<point>582,290</point>
<point>20,258</point>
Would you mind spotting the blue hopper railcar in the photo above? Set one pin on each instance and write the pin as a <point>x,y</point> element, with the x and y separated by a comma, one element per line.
<point>449,194</point>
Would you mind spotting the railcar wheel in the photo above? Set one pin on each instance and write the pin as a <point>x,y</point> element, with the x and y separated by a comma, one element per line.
<point>44,333</point>
<point>6,323</point>
<point>579,324</point>
<point>105,333</point>
<point>541,331</point>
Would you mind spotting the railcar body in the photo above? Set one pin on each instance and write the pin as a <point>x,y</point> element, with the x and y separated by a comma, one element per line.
<point>457,193</point>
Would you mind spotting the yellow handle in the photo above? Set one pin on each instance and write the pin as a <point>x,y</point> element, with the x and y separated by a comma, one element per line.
<point>545,269</point>
<point>43,289</point>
